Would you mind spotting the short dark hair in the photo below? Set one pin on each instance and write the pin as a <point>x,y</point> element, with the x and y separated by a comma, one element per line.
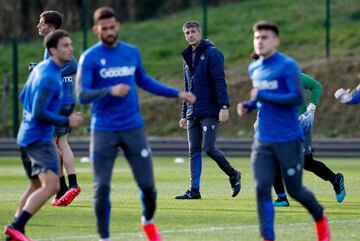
<point>265,25</point>
<point>192,24</point>
<point>103,13</point>
<point>52,39</point>
<point>53,18</point>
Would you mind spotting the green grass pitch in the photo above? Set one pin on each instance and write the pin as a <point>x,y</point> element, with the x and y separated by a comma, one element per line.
<point>216,217</point>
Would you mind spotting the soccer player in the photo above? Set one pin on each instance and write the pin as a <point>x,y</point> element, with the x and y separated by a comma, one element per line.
<point>108,75</point>
<point>348,97</point>
<point>277,92</point>
<point>204,76</point>
<point>306,119</point>
<point>41,100</point>
<point>50,21</point>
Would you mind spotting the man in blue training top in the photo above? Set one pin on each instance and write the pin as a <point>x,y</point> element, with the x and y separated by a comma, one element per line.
<point>108,75</point>
<point>50,21</point>
<point>204,76</point>
<point>277,92</point>
<point>41,100</point>
<point>348,97</point>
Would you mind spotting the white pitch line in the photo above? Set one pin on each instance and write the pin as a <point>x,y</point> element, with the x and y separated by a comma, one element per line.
<point>191,230</point>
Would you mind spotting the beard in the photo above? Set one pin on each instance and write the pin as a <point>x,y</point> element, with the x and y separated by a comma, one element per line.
<point>109,40</point>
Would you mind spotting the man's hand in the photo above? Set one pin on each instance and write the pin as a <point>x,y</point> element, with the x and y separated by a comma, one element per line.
<point>242,108</point>
<point>340,92</point>
<point>306,120</point>
<point>254,93</point>
<point>120,90</point>
<point>187,96</point>
<point>182,123</point>
<point>75,119</point>
<point>223,115</point>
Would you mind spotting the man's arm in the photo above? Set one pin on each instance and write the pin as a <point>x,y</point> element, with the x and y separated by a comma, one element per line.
<point>186,88</point>
<point>307,117</point>
<point>348,97</point>
<point>217,74</point>
<point>84,79</point>
<point>42,109</point>
<point>294,96</point>
<point>314,86</point>
<point>150,84</point>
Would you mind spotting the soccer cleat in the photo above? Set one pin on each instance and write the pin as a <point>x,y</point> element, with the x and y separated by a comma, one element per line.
<point>322,229</point>
<point>15,234</point>
<point>8,238</point>
<point>339,188</point>
<point>151,231</point>
<point>281,202</point>
<point>235,182</point>
<point>189,195</point>
<point>69,196</point>
<point>55,202</point>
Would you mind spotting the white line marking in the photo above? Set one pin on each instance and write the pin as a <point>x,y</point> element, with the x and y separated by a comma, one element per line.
<point>191,230</point>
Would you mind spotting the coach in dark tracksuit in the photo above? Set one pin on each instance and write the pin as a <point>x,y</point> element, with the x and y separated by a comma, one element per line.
<point>204,76</point>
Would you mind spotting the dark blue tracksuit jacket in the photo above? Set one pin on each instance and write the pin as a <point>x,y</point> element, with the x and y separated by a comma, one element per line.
<point>205,78</point>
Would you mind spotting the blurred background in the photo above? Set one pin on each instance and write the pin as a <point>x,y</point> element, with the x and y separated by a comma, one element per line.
<point>322,35</point>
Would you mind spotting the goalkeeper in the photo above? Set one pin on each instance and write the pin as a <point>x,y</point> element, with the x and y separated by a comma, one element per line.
<point>306,119</point>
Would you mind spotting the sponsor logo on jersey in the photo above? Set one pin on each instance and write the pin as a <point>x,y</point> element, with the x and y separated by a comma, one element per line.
<point>266,84</point>
<point>120,71</point>
<point>67,79</point>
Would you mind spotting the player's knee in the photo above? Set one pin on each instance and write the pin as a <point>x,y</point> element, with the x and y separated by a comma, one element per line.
<point>193,151</point>
<point>102,190</point>
<point>295,193</point>
<point>210,151</point>
<point>263,191</point>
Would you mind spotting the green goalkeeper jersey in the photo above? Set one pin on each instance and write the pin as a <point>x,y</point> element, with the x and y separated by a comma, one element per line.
<point>315,89</point>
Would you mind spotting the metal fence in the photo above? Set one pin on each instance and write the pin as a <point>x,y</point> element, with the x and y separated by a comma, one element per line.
<point>231,147</point>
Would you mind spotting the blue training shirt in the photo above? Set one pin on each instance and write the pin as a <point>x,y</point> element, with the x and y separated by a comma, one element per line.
<point>100,68</point>
<point>41,97</point>
<point>67,75</point>
<point>279,95</point>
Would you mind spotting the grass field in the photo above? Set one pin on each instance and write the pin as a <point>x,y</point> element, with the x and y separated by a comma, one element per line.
<point>216,217</point>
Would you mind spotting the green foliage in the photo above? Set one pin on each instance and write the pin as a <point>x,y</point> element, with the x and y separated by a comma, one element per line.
<point>302,25</point>
<point>217,216</point>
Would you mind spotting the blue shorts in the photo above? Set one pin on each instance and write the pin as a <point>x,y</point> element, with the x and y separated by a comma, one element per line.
<point>65,110</point>
<point>39,157</point>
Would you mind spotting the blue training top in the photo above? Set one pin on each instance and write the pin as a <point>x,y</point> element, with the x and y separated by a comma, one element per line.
<point>100,68</point>
<point>41,97</point>
<point>67,75</point>
<point>279,95</point>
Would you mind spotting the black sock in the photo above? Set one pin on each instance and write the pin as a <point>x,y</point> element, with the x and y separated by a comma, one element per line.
<point>63,187</point>
<point>21,221</point>
<point>72,180</point>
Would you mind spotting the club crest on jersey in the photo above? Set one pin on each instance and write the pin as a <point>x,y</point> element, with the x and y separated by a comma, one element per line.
<point>202,57</point>
<point>266,84</point>
<point>103,61</point>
